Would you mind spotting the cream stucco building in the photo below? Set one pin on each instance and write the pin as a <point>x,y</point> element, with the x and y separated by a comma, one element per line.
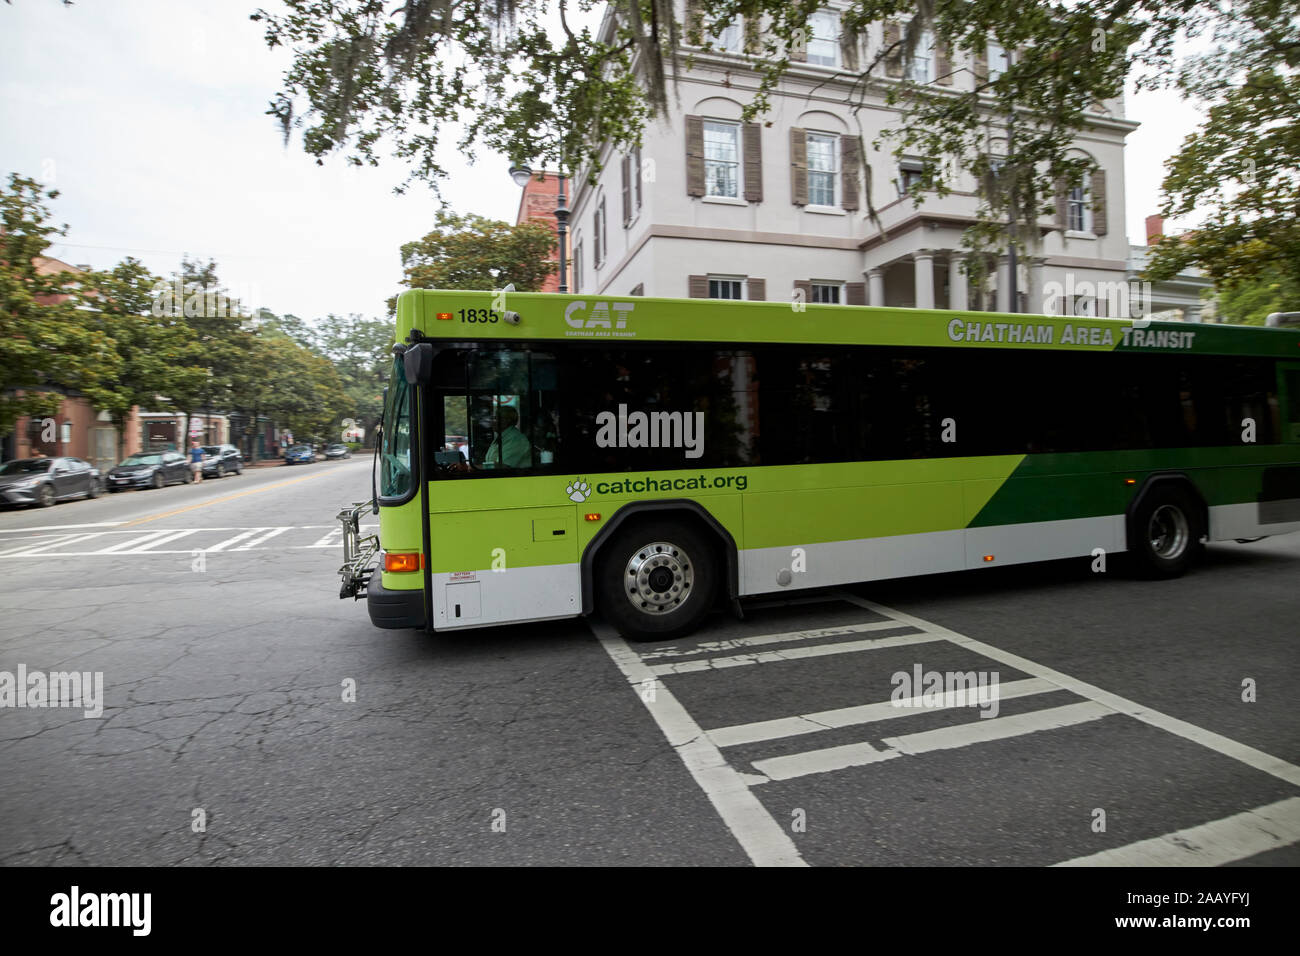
<point>711,206</point>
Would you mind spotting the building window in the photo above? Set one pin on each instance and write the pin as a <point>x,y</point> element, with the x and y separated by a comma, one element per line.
<point>598,247</point>
<point>823,168</point>
<point>722,159</point>
<point>1078,210</point>
<point>728,38</point>
<point>824,41</point>
<point>66,436</point>
<point>826,293</point>
<point>726,288</point>
<point>909,179</point>
<point>998,60</point>
<point>922,68</point>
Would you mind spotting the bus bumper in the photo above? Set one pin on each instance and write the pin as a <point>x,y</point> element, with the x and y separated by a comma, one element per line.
<point>393,610</point>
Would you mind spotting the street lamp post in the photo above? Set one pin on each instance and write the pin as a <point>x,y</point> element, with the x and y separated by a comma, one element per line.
<point>521,175</point>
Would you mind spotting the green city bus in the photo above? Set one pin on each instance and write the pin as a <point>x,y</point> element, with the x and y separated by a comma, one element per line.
<point>546,456</point>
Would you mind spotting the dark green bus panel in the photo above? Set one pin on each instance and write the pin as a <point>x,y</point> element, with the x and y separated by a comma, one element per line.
<point>1289,393</point>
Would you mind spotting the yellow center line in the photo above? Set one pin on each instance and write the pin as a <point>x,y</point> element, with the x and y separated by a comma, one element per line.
<point>217,501</point>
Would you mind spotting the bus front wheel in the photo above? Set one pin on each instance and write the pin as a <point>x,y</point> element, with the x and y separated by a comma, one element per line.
<point>657,581</point>
<point>1165,535</point>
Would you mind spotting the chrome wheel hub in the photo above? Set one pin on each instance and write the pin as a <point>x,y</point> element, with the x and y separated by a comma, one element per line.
<point>1168,532</point>
<point>658,578</point>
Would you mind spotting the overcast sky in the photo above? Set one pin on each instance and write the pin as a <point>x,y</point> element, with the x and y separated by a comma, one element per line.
<point>149,117</point>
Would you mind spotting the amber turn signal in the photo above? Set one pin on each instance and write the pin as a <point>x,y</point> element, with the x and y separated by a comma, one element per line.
<point>400,561</point>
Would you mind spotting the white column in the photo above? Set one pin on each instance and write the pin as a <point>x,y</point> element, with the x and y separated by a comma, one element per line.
<point>956,283</point>
<point>1192,313</point>
<point>1036,303</point>
<point>1004,284</point>
<point>924,267</point>
<point>875,287</point>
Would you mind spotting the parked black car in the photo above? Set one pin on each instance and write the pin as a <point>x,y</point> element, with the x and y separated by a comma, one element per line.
<point>150,471</point>
<point>43,481</point>
<point>337,451</point>
<point>222,460</point>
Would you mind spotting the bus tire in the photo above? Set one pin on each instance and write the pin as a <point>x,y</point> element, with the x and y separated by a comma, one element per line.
<point>656,580</point>
<point>1165,534</point>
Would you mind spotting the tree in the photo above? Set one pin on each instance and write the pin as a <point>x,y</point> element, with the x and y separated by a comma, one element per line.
<point>472,252</point>
<point>197,295</point>
<point>361,350</point>
<point>158,354</point>
<point>47,344</point>
<point>1240,168</point>
<point>365,75</point>
<point>1248,301</point>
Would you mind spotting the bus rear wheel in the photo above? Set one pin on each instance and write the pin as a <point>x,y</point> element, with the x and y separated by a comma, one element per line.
<point>1165,536</point>
<point>657,580</point>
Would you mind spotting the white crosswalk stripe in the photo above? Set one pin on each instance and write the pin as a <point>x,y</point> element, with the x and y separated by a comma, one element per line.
<point>261,539</point>
<point>1233,838</point>
<point>120,542</point>
<point>730,785</point>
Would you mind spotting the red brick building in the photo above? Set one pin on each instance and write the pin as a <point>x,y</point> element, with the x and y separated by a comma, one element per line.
<point>76,429</point>
<point>538,201</point>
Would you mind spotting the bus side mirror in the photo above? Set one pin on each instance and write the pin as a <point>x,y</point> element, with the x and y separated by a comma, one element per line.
<point>419,363</point>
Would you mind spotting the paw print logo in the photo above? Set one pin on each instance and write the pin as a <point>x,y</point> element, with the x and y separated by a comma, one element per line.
<point>578,490</point>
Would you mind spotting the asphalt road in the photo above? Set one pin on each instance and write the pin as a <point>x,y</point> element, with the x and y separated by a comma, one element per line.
<point>212,612</point>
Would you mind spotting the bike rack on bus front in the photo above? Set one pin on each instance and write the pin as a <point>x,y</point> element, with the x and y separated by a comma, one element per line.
<point>358,552</point>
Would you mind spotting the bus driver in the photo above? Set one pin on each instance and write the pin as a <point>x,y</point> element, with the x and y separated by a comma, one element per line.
<point>511,447</point>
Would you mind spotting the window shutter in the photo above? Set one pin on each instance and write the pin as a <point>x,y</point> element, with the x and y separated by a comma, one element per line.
<point>636,176</point>
<point>627,191</point>
<point>982,63</point>
<point>1099,202</point>
<point>695,156</point>
<point>798,166</point>
<point>893,51</point>
<point>855,293</point>
<point>753,133</point>
<point>942,64</point>
<point>850,164</point>
<point>757,290</point>
<point>849,51</point>
<point>1060,203</point>
<point>753,40</point>
<point>804,286</point>
<point>697,287</point>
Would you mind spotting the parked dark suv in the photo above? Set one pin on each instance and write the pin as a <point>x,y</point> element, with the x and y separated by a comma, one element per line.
<point>222,460</point>
<point>43,481</point>
<point>150,470</point>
